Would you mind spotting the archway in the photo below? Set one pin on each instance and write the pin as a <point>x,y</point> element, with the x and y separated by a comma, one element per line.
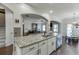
<point>34,20</point>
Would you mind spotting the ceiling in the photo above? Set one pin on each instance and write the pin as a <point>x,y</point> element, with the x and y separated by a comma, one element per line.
<point>60,10</point>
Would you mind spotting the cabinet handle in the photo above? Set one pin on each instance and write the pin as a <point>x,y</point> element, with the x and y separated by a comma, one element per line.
<point>31,48</point>
<point>52,43</point>
<point>39,50</point>
<point>43,43</point>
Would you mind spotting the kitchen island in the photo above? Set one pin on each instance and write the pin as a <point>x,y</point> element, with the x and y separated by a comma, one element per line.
<point>35,44</point>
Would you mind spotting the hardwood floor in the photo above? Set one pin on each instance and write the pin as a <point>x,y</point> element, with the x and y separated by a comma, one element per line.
<point>6,50</point>
<point>68,49</point>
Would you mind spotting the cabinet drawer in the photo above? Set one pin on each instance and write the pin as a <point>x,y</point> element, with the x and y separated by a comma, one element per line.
<point>25,50</point>
<point>42,43</point>
<point>34,52</point>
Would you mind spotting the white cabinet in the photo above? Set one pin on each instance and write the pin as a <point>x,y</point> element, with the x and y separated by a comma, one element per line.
<point>34,52</point>
<point>54,40</point>
<point>17,50</point>
<point>51,45</point>
<point>29,49</point>
<point>43,48</point>
<point>36,49</point>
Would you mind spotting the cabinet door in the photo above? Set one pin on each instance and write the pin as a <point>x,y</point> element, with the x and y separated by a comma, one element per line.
<point>54,43</point>
<point>34,52</point>
<point>43,48</point>
<point>29,49</point>
<point>51,45</point>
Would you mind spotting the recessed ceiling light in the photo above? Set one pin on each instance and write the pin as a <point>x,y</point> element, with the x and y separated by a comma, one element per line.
<point>51,11</point>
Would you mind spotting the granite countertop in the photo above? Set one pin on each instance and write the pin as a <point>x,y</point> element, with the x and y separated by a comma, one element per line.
<point>24,41</point>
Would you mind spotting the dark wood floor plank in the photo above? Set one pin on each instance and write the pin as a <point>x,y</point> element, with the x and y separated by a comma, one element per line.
<point>6,50</point>
<point>68,49</point>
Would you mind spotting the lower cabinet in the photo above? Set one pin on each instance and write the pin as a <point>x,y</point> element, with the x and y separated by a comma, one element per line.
<point>34,52</point>
<point>51,45</point>
<point>36,49</point>
<point>43,48</point>
<point>33,49</point>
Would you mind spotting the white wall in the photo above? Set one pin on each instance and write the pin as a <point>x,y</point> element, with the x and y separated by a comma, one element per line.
<point>9,27</point>
<point>18,9</point>
<point>64,25</point>
<point>64,30</point>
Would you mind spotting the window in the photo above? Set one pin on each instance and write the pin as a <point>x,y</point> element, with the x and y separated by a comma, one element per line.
<point>54,26</point>
<point>55,29</point>
<point>69,30</point>
<point>44,29</point>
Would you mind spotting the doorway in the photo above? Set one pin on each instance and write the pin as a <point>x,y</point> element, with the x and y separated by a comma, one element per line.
<point>69,30</point>
<point>2,28</point>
